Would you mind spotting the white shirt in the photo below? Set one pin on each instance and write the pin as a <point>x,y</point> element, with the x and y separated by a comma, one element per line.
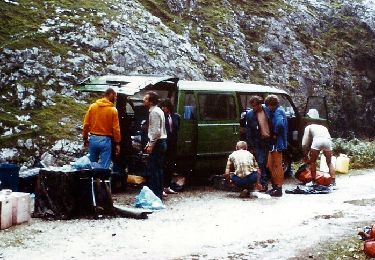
<point>156,125</point>
<point>313,131</point>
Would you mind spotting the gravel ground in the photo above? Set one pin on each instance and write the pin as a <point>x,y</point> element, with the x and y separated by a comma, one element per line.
<point>203,223</point>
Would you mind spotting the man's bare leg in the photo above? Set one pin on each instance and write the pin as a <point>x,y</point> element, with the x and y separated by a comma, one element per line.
<point>313,156</point>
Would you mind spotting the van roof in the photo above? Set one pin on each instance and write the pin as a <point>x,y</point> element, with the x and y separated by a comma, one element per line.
<point>227,86</point>
<point>132,84</point>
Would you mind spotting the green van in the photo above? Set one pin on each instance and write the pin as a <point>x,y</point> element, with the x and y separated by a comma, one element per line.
<point>210,117</point>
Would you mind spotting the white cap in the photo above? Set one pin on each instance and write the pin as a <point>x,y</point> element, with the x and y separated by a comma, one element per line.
<point>313,113</point>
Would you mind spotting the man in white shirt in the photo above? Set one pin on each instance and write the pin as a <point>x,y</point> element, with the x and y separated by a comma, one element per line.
<point>316,138</point>
<point>157,144</point>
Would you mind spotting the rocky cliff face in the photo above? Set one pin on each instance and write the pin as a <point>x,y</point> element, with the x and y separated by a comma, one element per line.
<point>306,47</point>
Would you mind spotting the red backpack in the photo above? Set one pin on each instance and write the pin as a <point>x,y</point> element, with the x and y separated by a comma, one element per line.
<point>369,247</point>
<point>303,174</point>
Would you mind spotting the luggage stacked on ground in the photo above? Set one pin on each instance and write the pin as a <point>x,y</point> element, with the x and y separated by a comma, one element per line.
<point>14,208</point>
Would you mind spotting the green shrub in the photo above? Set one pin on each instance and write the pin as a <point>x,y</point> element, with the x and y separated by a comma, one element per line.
<point>360,152</point>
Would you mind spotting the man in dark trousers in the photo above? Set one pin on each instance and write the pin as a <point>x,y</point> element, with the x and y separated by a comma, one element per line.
<point>172,125</point>
<point>157,144</point>
<point>258,135</point>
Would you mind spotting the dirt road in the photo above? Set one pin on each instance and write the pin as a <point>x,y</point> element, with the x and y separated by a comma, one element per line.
<point>205,224</point>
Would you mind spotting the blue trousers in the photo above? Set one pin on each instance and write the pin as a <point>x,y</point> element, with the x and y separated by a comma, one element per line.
<point>245,182</point>
<point>155,167</point>
<point>100,149</point>
<point>261,154</point>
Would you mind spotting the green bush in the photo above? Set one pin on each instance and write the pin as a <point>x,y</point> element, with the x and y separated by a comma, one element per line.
<point>360,152</point>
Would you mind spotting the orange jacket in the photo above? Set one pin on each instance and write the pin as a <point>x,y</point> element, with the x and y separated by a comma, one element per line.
<point>102,119</point>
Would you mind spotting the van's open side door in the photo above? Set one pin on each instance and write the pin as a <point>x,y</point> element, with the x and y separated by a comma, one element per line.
<point>187,135</point>
<point>315,112</point>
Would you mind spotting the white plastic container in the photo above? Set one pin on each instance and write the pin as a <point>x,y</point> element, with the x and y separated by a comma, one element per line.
<point>5,211</point>
<point>342,163</point>
<point>323,163</point>
<point>20,207</point>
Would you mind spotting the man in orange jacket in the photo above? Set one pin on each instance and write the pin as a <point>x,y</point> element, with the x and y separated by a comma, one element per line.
<point>100,126</point>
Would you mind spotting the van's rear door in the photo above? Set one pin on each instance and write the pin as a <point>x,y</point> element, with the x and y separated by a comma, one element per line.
<point>315,111</point>
<point>218,124</point>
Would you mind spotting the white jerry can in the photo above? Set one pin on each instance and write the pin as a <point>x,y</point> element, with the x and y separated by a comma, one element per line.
<point>5,211</point>
<point>342,163</point>
<point>20,207</point>
<point>323,167</point>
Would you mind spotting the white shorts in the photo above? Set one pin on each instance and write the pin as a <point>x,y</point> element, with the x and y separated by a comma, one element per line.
<point>322,143</point>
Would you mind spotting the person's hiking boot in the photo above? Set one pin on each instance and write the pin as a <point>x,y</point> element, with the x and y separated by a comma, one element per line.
<point>245,193</point>
<point>264,188</point>
<point>169,191</point>
<point>276,192</point>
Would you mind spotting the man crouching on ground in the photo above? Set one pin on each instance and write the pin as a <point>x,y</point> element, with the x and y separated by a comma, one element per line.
<point>246,171</point>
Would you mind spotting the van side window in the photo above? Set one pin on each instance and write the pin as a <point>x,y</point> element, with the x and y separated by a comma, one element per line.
<point>189,106</point>
<point>217,107</point>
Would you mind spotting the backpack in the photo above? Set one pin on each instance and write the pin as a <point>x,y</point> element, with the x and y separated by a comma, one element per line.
<point>303,174</point>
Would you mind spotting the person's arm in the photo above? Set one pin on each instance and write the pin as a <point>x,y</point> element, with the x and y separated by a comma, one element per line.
<point>281,122</point>
<point>154,131</point>
<point>250,140</point>
<point>258,185</point>
<point>116,131</point>
<point>86,128</point>
<point>306,144</point>
<point>227,169</point>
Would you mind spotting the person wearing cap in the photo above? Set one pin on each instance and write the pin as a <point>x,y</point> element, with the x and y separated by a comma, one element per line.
<point>101,127</point>
<point>316,138</point>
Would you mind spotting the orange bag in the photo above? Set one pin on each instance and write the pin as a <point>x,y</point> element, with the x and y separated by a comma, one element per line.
<point>372,231</point>
<point>369,247</point>
<point>323,178</point>
<point>303,174</point>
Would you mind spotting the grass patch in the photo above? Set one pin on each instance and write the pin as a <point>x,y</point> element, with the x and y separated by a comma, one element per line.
<point>351,248</point>
<point>267,8</point>
<point>55,122</point>
<point>19,24</point>
<point>338,38</point>
<point>59,121</point>
<point>176,22</point>
<point>361,153</point>
<point>207,19</point>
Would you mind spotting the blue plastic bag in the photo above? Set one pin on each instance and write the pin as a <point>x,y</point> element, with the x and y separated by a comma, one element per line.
<point>82,163</point>
<point>146,199</point>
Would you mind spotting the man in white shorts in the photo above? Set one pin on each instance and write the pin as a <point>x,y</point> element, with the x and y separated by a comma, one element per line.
<point>316,138</point>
